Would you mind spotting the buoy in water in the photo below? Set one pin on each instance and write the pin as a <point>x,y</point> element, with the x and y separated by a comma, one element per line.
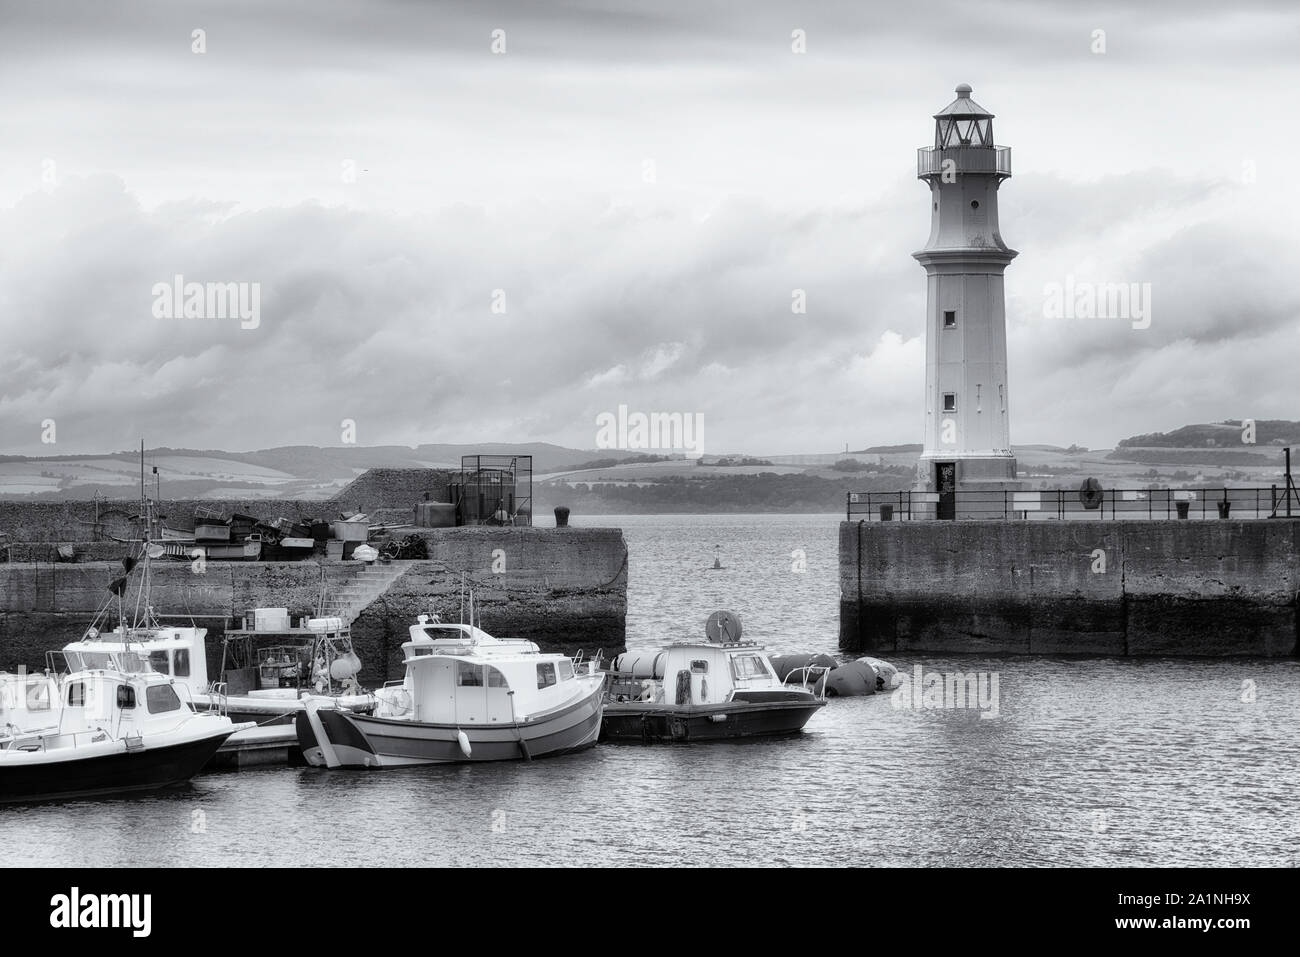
<point>717,559</point>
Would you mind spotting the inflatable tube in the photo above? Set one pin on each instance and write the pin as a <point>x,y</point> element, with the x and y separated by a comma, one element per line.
<point>639,665</point>
<point>787,666</point>
<point>852,680</point>
<point>887,676</point>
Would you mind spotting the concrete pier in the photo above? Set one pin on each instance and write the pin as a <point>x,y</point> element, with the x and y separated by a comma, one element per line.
<point>1141,588</point>
<point>563,588</point>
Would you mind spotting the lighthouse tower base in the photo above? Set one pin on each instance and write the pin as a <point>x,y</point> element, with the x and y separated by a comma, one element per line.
<point>965,485</point>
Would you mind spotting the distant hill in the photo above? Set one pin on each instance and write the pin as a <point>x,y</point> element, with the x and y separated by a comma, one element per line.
<point>1212,435</point>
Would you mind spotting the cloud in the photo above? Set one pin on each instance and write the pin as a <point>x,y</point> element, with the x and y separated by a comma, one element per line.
<point>776,174</point>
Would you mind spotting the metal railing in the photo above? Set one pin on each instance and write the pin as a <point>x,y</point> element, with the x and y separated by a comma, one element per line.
<point>965,159</point>
<point>1067,503</point>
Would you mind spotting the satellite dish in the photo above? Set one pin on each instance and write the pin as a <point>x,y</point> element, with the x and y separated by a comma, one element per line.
<point>722,627</point>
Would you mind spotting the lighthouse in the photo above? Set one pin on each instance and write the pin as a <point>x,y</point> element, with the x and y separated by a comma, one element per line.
<point>967,405</point>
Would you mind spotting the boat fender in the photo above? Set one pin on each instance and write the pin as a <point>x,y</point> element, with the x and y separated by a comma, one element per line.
<point>463,739</point>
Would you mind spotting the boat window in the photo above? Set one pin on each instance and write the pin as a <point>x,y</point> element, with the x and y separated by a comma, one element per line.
<point>469,676</point>
<point>748,666</point>
<point>77,694</point>
<point>699,667</point>
<point>91,660</point>
<point>130,662</point>
<point>159,662</point>
<point>125,697</point>
<point>546,675</point>
<point>160,698</point>
<point>74,661</point>
<point>495,678</point>
<point>566,670</point>
<point>182,660</point>
<point>38,696</point>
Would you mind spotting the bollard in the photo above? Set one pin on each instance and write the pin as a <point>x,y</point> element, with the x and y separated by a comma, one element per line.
<point>886,513</point>
<point>561,516</point>
<point>1224,508</point>
<point>1183,508</point>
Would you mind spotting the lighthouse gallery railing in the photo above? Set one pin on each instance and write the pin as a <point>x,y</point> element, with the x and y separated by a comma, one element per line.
<point>966,159</point>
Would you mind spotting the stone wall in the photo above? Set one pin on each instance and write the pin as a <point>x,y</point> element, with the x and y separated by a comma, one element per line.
<point>563,588</point>
<point>1073,587</point>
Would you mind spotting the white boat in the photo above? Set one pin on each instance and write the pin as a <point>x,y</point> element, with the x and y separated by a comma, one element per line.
<point>265,676</point>
<point>101,731</point>
<point>717,689</point>
<point>466,696</point>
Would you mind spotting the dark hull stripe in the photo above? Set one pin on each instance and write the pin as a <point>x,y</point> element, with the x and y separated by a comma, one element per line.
<point>148,770</point>
<point>655,723</point>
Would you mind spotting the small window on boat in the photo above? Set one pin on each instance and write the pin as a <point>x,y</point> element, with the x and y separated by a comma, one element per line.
<point>748,666</point>
<point>125,697</point>
<point>74,661</point>
<point>38,696</point>
<point>182,660</point>
<point>161,698</point>
<point>699,667</point>
<point>546,675</point>
<point>90,660</point>
<point>566,670</point>
<point>495,678</point>
<point>77,695</point>
<point>469,676</point>
<point>160,663</point>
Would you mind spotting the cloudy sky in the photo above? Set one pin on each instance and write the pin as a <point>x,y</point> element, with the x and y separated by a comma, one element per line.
<point>645,183</point>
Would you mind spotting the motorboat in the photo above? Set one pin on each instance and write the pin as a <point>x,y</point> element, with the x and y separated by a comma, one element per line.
<point>466,696</point>
<point>723,687</point>
<point>264,674</point>
<point>101,731</point>
<point>269,664</point>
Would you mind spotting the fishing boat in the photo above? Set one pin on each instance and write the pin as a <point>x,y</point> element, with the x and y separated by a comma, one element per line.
<point>106,731</point>
<point>718,689</point>
<point>466,696</point>
<point>269,666</point>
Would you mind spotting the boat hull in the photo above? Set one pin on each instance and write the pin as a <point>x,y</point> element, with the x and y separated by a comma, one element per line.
<point>364,741</point>
<point>119,772</point>
<point>653,723</point>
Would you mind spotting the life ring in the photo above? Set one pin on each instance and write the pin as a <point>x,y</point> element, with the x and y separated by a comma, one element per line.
<point>1091,494</point>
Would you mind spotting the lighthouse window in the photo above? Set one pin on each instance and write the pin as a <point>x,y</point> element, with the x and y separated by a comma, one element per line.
<point>974,204</point>
<point>950,319</point>
<point>950,402</point>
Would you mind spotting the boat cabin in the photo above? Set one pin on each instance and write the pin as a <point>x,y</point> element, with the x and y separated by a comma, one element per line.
<point>28,702</point>
<point>105,704</point>
<point>694,673</point>
<point>177,653</point>
<point>459,674</point>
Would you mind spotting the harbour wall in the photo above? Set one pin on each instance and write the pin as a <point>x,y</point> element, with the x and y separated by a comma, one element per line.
<point>1140,588</point>
<point>565,588</point>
